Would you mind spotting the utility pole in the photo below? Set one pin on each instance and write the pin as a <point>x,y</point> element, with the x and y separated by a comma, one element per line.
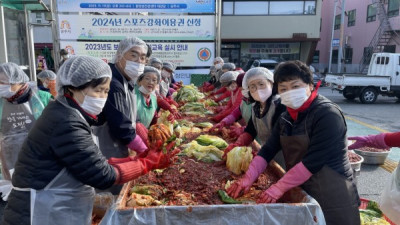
<point>332,35</point>
<point>340,53</point>
<point>218,5</point>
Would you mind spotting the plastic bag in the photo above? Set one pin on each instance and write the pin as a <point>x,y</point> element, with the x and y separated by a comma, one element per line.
<point>390,198</point>
<point>239,159</point>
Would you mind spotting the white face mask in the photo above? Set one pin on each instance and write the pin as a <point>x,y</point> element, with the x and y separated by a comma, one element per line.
<point>93,105</point>
<point>5,91</point>
<point>218,66</point>
<point>263,94</point>
<point>294,98</point>
<point>145,91</point>
<point>133,69</point>
<point>165,74</point>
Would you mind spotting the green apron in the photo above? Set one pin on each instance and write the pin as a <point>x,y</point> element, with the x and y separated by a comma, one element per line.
<point>145,113</point>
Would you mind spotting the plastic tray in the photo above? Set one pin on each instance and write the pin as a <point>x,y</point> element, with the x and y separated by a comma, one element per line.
<point>364,204</point>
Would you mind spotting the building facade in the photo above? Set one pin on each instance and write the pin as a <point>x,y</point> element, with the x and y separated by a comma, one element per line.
<point>277,30</point>
<point>369,26</point>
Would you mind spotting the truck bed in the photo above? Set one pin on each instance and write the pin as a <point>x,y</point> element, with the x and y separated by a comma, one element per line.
<point>343,80</point>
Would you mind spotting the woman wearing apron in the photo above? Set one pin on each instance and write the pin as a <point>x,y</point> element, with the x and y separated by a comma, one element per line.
<point>59,163</point>
<point>266,108</point>
<point>312,137</point>
<point>243,111</point>
<point>20,105</point>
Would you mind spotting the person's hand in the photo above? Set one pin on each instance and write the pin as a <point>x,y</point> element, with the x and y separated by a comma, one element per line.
<point>374,141</point>
<point>240,187</point>
<point>217,126</point>
<point>236,131</point>
<point>157,159</point>
<point>228,149</point>
<point>271,195</point>
<point>176,114</point>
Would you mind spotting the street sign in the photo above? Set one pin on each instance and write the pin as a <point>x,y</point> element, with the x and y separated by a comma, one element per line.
<point>335,42</point>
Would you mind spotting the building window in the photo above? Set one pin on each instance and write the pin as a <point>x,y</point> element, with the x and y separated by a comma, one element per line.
<point>316,57</point>
<point>269,7</point>
<point>309,7</point>
<point>348,56</point>
<point>371,13</point>
<point>337,21</point>
<point>368,54</point>
<point>227,8</point>
<point>39,17</point>
<point>251,8</point>
<point>334,56</point>
<point>389,48</point>
<point>351,16</point>
<point>393,8</point>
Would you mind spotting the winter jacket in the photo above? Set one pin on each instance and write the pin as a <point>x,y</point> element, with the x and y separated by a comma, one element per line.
<point>61,138</point>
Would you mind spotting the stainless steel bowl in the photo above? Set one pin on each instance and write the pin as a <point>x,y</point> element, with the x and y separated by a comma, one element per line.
<point>376,158</point>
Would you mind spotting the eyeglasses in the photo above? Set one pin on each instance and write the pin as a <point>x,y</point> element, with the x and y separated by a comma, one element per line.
<point>258,86</point>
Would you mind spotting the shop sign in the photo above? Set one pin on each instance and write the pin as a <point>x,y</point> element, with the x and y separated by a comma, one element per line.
<point>179,53</point>
<point>270,48</point>
<point>165,27</point>
<point>160,6</point>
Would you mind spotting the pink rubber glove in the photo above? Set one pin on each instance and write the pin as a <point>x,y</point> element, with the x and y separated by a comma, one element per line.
<point>374,141</point>
<point>242,186</point>
<point>137,145</point>
<point>293,178</point>
<point>229,120</point>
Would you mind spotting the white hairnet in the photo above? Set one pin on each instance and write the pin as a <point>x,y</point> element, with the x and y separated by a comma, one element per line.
<point>229,76</point>
<point>257,73</point>
<point>169,66</point>
<point>228,66</point>
<point>218,59</point>
<point>126,44</point>
<point>80,70</point>
<point>10,73</point>
<point>47,74</point>
<point>155,60</point>
<point>150,69</point>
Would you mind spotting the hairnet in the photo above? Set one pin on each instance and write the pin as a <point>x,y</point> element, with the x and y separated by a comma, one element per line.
<point>79,70</point>
<point>228,66</point>
<point>169,66</point>
<point>10,73</point>
<point>229,76</point>
<point>218,59</point>
<point>126,44</point>
<point>47,74</point>
<point>155,60</point>
<point>257,73</point>
<point>150,69</point>
<point>239,79</point>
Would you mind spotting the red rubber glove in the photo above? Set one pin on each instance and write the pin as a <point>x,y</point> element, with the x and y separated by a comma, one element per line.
<point>236,131</point>
<point>209,88</point>
<point>218,126</point>
<point>218,118</point>
<point>171,101</point>
<point>294,177</point>
<point>155,159</point>
<point>242,186</point>
<point>244,140</point>
<point>374,141</point>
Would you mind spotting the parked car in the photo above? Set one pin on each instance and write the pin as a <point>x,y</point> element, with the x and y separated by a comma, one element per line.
<point>266,63</point>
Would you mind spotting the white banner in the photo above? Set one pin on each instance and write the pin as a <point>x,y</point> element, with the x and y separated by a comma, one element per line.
<point>164,6</point>
<point>181,54</point>
<point>185,75</point>
<point>117,27</point>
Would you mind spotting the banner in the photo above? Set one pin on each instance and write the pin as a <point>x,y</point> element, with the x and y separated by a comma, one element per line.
<point>117,27</point>
<point>270,48</point>
<point>186,75</point>
<point>180,54</point>
<point>164,6</point>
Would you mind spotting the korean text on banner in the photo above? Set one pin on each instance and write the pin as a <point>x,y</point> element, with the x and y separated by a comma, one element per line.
<point>117,27</point>
<point>181,54</point>
<point>168,6</point>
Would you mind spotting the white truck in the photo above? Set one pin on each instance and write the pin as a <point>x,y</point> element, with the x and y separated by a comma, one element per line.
<point>383,78</point>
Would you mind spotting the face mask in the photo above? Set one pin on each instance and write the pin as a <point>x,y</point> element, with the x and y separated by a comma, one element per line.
<point>165,74</point>
<point>218,66</point>
<point>294,98</point>
<point>93,105</point>
<point>133,69</point>
<point>144,90</point>
<point>5,91</point>
<point>263,94</point>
